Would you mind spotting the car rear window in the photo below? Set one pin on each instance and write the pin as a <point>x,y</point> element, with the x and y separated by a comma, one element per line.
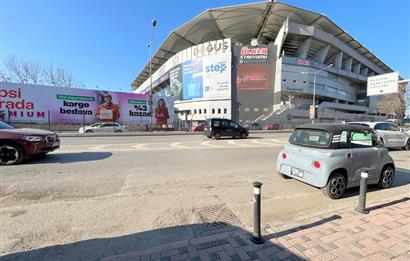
<point>310,138</point>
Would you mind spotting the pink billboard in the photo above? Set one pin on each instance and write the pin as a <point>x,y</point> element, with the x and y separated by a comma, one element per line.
<point>34,103</point>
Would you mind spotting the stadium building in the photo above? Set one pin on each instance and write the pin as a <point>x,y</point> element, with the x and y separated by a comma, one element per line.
<point>263,62</point>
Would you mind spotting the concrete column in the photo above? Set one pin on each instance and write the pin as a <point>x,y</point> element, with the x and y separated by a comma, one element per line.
<point>320,55</point>
<point>338,60</point>
<point>348,64</point>
<point>303,49</point>
<point>357,68</point>
<point>365,71</point>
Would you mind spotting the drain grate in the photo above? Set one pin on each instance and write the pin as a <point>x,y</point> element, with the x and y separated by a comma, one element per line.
<point>218,216</point>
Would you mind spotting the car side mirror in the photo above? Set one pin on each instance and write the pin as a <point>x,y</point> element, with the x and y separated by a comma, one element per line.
<point>401,129</point>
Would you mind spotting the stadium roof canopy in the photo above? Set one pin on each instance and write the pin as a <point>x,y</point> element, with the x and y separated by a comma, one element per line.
<point>242,23</point>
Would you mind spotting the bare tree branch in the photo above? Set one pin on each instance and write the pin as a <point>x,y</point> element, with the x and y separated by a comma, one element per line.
<point>16,69</point>
<point>33,72</point>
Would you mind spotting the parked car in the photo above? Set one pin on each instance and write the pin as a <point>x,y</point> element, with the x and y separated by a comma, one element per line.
<point>100,127</point>
<point>332,157</point>
<point>217,128</point>
<point>18,144</point>
<point>253,126</point>
<point>196,128</point>
<point>390,135</point>
<point>275,126</point>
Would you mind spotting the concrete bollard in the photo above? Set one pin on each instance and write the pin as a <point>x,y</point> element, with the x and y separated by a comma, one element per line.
<point>256,236</point>
<point>362,196</point>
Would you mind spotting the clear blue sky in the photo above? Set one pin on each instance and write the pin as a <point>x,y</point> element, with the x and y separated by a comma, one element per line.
<point>104,42</point>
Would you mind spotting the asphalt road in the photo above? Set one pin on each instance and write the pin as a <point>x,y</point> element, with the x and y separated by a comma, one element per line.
<point>105,187</point>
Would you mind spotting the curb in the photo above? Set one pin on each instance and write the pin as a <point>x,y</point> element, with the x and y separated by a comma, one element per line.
<point>137,134</point>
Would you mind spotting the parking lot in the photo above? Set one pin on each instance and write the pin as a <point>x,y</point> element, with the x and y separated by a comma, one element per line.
<point>97,187</point>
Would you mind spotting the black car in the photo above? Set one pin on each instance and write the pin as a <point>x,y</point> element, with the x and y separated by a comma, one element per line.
<point>217,128</point>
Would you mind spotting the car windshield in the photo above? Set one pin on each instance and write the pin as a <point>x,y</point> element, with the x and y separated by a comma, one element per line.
<point>4,125</point>
<point>310,138</point>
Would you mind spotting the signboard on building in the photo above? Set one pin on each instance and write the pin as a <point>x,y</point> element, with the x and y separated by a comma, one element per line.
<point>383,84</point>
<point>35,103</point>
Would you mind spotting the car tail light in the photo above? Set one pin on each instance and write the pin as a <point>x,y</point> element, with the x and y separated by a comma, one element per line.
<point>284,155</point>
<point>316,164</point>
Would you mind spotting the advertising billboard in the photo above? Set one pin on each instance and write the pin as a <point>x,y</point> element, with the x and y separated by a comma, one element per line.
<point>34,103</point>
<point>383,84</point>
<point>254,84</point>
<point>192,79</point>
<point>217,76</point>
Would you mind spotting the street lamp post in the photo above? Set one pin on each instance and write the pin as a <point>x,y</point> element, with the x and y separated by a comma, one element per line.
<point>314,88</point>
<point>154,23</point>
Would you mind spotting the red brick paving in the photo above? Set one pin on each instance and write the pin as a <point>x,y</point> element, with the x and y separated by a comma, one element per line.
<point>383,234</point>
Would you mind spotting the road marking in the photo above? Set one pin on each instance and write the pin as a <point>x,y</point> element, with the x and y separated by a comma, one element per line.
<point>140,146</point>
<point>208,143</point>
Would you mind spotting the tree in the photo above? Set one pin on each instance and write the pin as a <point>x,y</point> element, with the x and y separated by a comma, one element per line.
<point>22,71</point>
<point>394,104</point>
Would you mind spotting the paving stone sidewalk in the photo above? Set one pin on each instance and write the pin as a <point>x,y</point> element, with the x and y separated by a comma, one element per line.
<point>383,234</point>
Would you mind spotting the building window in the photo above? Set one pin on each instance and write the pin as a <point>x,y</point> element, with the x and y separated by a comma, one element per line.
<point>213,111</point>
<point>194,111</point>
<point>304,81</point>
<point>265,109</point>
<point>225,110</point>
<point>219,111</point>
<point>294,80</point>
<point>246,109</point>
<point>284,80</point>
<point>204,111</point>
<point>256,109</point>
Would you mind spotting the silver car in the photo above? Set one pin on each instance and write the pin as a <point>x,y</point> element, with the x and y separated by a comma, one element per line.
<point>101,127</point>
<point>332,157</point>
<point>390,135</point>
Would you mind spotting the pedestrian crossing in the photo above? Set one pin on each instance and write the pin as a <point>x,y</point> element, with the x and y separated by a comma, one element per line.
<point>180,145</point>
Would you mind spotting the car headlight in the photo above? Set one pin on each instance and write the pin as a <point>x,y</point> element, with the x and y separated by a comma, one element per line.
<point>32,138</point>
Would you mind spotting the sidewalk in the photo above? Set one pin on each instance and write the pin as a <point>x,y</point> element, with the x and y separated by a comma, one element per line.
<point>383,234</point>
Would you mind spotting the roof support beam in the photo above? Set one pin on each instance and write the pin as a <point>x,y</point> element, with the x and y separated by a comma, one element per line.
<point>183,38</point>
<point>215,23</point>
<point>320,55</point>
<point>166,51</point>
<point>264,20</point>
<point>303,49</point>
<point>316,20</point>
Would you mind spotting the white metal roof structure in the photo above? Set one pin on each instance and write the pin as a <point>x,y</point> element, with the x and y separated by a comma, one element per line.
<point>242,23</point>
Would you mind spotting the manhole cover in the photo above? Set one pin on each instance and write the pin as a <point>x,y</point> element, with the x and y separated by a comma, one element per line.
<point>218,216</point>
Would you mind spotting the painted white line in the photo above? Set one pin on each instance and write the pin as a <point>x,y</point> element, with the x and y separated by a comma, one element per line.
<point>208,143</point>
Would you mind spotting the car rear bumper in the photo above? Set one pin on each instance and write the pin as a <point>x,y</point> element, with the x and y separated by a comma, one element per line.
<point>311,176</point>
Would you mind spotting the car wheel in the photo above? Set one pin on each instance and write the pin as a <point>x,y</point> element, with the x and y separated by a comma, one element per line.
<point>335,187</point>
<point>88,131</point>
<point>217,136</point>
<point>244,135</point>
<point>10,154</point>
<point>284,176</point>
<point>386,177</point>
<point>407,146</point>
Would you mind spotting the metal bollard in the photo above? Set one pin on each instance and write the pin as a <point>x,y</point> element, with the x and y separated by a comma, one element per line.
<point>363,190</point>
<point>256,236</point>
